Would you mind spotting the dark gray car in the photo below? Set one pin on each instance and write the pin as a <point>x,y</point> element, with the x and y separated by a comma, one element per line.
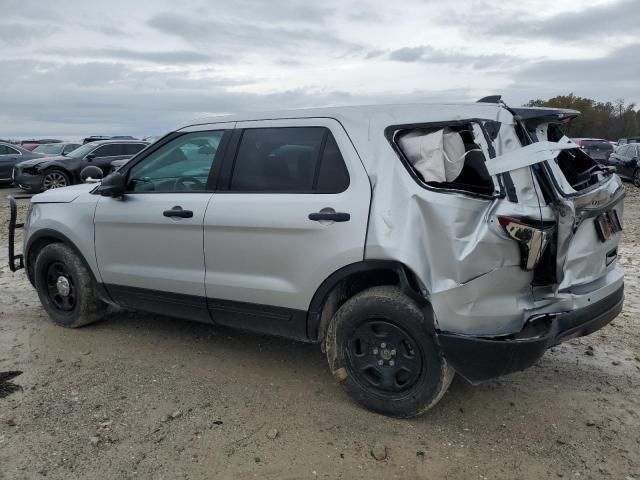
<point>54,172</point>
<point>626,160</point>
<point>10,155</point>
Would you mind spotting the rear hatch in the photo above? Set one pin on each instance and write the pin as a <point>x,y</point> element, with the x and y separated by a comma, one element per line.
<point>587,199</point>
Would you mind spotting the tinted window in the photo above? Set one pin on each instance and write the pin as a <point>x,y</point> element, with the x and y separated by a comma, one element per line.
<point>333,176</point>
<point>181,165</point>
<point>7,150</point>
<point>288,159</point>
<point>109,150</point>
<point>132,148</point>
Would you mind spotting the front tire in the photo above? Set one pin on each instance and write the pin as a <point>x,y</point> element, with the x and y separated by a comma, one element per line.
<point>66,288</point>
<point>636,177</point>
<point>381,351</point>
<point>55,179</point>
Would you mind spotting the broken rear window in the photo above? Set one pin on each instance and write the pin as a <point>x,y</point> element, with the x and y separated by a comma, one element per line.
<point>447,157</point>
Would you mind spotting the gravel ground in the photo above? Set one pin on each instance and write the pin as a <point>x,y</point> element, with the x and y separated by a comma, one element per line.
<point>143,396</point>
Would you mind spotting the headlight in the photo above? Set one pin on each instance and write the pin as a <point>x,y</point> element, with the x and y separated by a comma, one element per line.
<point>31,170</point>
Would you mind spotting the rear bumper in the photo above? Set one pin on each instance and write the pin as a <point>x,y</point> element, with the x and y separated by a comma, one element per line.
<point>478,359</point>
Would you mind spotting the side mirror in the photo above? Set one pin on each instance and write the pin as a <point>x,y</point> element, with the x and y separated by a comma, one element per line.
<point>90,157</point>
<point>113,185</point>
<point>91,174</point>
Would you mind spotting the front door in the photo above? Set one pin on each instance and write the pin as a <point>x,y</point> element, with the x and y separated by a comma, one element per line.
<point>149,242</point>
<point>291,208</point>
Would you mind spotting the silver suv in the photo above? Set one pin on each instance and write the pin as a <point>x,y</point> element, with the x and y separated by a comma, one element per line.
<point>411,242</point>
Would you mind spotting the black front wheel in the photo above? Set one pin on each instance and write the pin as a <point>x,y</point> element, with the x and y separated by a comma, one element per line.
<point>381,351</point>
<point>66,288</point>
<point>55,179</point>
<point>636,177</point>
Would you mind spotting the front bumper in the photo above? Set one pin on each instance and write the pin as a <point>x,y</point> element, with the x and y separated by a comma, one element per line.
<point>479,358</point>
<point>26,181</point>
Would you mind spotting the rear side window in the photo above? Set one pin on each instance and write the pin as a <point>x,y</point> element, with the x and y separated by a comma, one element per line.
<point>132,148</point>
<point>6,150</point>
<point>109,150</point>
<point>289,160</point>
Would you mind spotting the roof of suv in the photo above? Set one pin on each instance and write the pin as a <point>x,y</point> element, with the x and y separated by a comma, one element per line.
<point>106,142</point>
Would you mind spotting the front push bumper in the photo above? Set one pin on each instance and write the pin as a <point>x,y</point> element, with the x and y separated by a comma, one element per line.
<point>479,358</point>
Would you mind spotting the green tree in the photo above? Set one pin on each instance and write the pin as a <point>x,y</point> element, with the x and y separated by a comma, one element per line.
<point>610,120</point>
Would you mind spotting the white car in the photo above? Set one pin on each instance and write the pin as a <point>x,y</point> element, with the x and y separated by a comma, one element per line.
<point>411,241</point>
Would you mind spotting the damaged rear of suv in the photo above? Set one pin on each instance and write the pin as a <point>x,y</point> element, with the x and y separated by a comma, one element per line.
<point>412,242</point>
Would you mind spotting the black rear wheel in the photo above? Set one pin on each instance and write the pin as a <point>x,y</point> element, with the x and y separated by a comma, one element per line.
<point>381,351</point>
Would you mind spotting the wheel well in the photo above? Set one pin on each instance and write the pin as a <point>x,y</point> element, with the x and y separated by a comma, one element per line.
<point>32,253</point>
<point>350,280</point>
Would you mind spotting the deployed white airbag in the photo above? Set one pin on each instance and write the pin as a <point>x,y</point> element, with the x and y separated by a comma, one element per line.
<point>438,156</point>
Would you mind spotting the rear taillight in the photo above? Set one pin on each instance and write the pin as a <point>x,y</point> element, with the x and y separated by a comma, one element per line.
<point>533,239</point>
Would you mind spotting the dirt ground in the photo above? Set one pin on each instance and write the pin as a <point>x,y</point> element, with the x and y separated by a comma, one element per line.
<point>142,396</point>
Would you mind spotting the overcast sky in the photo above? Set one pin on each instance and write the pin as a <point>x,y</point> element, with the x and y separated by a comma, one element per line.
<point>142,67</point>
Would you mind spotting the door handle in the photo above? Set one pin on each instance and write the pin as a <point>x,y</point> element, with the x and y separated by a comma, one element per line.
<point>329,214</point>
<point>177,211</point>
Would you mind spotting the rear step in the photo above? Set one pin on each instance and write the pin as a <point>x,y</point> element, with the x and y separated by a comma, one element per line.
<point>16,261</point>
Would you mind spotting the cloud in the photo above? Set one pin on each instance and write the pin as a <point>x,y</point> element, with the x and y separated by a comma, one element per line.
<point>620,18</point>
<point>173,57</point>
<point>13,34</point>
<point>428,54</point>
<point>247,36</point>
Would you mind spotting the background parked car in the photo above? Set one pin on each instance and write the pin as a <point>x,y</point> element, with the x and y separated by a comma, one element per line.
<point>625,160</point>
<point>61,148</point>
<point>10,155</point>
<point>597,148</point>
<point>32,144</point>
<point>624,141</point>
<point>95,138</point>
<point>54,172</point>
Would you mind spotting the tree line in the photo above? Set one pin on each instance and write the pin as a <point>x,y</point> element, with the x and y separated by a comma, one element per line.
<point>609,120</point>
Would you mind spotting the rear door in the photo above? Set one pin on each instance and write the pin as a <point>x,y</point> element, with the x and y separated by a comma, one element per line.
<point>291,208</point>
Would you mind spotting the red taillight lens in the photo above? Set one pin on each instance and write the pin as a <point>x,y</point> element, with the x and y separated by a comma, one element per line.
<point>533,240</point>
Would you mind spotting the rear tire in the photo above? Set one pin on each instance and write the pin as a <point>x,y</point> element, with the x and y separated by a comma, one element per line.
<point>55,179</point>
<point>380,350</point>
<point>636,177</point>
<point>66,288</point>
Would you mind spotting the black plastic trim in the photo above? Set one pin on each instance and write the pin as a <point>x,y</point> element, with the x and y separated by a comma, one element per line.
<point>479,359</point>
<point>190,307</point>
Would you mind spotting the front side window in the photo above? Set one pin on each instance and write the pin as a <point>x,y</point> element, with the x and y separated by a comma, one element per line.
<point>182,165</point>
<point>133,148</point>
<point>289,160</point>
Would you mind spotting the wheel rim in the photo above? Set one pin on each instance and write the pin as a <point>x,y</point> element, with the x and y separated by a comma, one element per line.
<point>61,288</point>
<point>54,180</point>
<point>384,357</point>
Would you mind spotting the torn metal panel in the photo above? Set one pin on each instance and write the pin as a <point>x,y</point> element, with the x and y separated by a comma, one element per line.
<point>523,157</point>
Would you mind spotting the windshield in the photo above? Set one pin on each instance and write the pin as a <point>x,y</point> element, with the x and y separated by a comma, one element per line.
<point>49,148</point>
<point>82,151</point>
